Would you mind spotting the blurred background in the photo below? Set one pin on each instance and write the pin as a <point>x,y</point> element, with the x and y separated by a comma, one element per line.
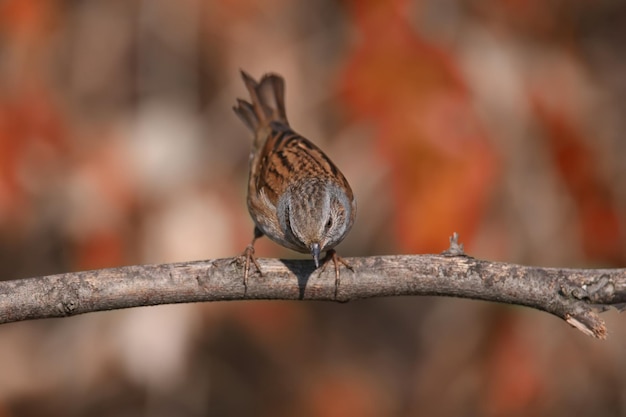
<point>501,120</point>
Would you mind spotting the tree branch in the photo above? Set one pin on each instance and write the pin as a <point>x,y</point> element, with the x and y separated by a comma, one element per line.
<point>571,294</point>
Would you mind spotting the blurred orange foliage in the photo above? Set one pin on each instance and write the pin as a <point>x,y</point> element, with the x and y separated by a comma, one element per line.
<point>32,141</point>
<point>576,162</point>
<point>515,382</point>
<point>443,167</point>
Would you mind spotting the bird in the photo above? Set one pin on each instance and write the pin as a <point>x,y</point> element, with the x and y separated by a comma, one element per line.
<point>297,196</point>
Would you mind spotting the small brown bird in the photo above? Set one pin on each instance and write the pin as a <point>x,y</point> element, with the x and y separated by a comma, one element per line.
<point>296,196</point>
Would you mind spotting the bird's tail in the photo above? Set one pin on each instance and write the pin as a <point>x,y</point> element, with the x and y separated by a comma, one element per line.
<point>267,102</point>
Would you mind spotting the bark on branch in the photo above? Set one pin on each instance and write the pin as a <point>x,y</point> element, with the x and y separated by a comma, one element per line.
<point>571,294</point>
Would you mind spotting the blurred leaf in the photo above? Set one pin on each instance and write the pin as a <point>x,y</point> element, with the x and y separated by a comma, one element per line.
<point>514,379</point>
<point>577,164</point>
<point>32,141</point>
<point>442,165</point>
<point>25,18</point>
<point>346,392</point>
<point>100,250</point>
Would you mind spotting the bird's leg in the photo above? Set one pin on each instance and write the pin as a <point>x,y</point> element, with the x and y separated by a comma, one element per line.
<point>331,254</point>
<point>248,253</point>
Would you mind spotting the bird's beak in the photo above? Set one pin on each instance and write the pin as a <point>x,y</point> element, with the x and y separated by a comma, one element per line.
<point>315,251</point>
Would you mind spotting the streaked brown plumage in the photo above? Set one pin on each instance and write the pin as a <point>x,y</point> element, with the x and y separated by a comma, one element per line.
<point>296,195</point>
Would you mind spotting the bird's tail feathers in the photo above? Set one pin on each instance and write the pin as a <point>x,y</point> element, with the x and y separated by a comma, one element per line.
<point>267,101</point>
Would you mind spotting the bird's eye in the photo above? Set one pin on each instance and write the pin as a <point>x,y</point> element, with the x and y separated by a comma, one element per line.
<point>329,224</point>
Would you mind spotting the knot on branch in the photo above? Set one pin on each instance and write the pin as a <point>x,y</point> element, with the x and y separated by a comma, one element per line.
<point>68,300</point>
<point>68,306</point>
<point>596,291</point>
